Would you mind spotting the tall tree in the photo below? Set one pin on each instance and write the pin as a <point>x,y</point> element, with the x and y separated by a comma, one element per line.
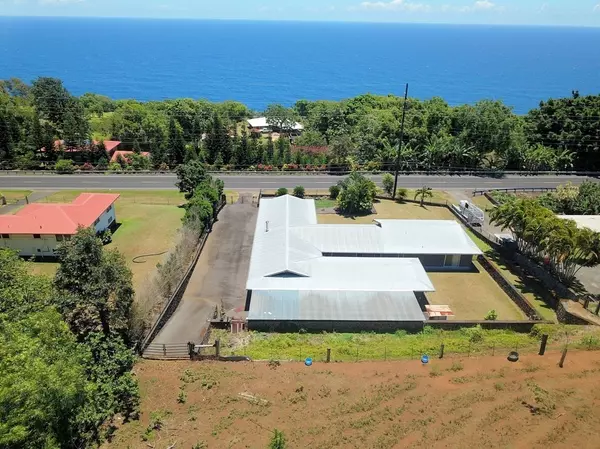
<point>176,143</point>
<point>218,141</point>
<point>51,99</point>
<point>96,286</point>
<point>281,118</point>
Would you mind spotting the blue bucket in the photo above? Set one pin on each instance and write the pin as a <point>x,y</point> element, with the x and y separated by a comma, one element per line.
<point>308,361</point>
<point>425,359</point>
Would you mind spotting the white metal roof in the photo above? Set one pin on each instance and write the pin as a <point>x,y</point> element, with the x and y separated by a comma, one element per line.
<point>349,274</point>
<point>415,237</point>
<point>334,305</point>
<point>261,122</point>
<point>591,222</point>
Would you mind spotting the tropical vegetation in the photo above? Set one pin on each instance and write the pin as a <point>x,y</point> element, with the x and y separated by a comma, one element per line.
<point>361,132</point>
<point>557,243</point>
<point>65,348</point>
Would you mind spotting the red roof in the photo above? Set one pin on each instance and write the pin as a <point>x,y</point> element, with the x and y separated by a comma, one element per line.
<point>125,155</point>
<point>64,219</point>
<point>110,144</point>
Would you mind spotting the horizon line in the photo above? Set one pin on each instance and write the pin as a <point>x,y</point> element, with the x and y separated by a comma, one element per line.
<point>332,21</point>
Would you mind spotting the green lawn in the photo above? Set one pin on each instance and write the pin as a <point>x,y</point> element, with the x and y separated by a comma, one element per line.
<point>148,220</point>
<point>529,286</point>
<point>151,197</point>
<point>371,346</point>
<point>13,196</point>
<point>325,203</point>
<point>438,195</point>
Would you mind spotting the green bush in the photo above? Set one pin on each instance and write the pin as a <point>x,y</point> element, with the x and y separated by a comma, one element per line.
<point>334,192</point>
<point>281,191</point>
<point>299,192</point>
<point>401,194</point>
<point>64,166</point>
<point>491,316</point>
<point>277,440</point>
<point>356,195</point>
<point>115,166</point>
<point>388,183</point>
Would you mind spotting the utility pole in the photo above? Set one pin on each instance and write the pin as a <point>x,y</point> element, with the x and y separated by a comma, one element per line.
<point>401,140</point>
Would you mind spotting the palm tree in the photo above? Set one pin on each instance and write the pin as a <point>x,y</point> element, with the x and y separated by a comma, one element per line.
<point>424,192</point>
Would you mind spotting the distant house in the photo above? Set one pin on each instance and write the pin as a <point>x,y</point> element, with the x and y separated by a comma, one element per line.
<point>37,229</point>
<point>59,145</point>
<point>260,125</point>
<point>126,155</point>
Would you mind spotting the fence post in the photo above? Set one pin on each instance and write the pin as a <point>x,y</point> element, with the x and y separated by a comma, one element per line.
<point>164,350</point>
<point>442,351</point>
<point>191,347</point>
<point>218,348</point>
<point>328,355</point>
<point>563,357</point>
<point>543,344</point>
<point>597,311</point>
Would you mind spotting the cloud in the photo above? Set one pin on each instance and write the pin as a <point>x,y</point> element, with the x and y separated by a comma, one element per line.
<point>597,8</point>
<point>397,5</point>
<point>404,5</point>
<point>59,2</point>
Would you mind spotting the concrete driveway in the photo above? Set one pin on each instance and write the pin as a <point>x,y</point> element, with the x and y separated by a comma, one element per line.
<point>220,274</point>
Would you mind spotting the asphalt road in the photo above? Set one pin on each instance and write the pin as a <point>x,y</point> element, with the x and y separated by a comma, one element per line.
<point>257,182</point>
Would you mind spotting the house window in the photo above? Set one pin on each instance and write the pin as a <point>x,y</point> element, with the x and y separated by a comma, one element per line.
<point>97,221</point>
<point>109,208</point>
<point>110,220</point>
<point>59,238</point>
<point>37,236</point>
<point>67,237</point>
<point>5,236</point>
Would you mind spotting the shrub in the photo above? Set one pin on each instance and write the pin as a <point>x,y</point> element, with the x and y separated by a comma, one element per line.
<point>115,166</point>
<point>388,183</point>
<point>299,191</point>
<point>356,195</point>
<point>277,440</point>
<point>163,167</point>
<point>492,315</point>
<point>87,167</point>
<point>334,192</point>
<point>373,166</point>
<point>64,166</point>
<point>281,191</point>
<point>401,194</point>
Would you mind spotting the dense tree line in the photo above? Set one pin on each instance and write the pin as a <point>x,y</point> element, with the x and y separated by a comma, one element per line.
<point>361,132</point>
<point>65,354</point>
<point>559,244</point>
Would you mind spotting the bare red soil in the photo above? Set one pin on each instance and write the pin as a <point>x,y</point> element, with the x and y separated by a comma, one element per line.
<point>455,403</point>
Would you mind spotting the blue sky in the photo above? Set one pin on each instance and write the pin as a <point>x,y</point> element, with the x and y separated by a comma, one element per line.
<point>535,12</point>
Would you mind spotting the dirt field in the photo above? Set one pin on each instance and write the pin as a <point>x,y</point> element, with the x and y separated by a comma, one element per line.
<point>485,402</point>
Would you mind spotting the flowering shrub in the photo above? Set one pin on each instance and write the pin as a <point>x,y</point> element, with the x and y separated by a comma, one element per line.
<point>87,167</point>
<point>263,167</point>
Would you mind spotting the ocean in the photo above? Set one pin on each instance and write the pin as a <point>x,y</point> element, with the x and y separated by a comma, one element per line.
<point>259,63</point>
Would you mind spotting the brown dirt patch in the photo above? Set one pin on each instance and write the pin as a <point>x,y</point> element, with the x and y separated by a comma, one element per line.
<point>479,402</point>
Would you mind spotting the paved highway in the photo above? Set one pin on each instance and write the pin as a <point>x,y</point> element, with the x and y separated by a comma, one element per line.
<point>256,182</point>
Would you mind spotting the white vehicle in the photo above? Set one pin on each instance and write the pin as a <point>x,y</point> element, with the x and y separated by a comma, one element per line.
<point>474,215</point>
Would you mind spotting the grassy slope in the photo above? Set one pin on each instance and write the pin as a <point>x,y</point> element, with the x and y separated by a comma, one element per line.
<point>370,346</point>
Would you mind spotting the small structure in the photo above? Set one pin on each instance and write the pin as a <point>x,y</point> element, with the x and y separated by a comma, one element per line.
<point>260,125</point>
<point>37,229</point>
<point>471,213</point>
<point>438,312</point>
<point>345,277</point>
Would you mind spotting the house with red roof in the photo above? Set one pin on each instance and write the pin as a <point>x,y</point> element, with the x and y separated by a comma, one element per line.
<point>126,155</point>
<point>37,229</point>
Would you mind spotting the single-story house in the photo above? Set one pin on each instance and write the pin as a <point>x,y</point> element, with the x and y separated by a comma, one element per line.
<point>260,125</point>
<point>304,275</point>
<point>109,146</point>
<point>38,228</point>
